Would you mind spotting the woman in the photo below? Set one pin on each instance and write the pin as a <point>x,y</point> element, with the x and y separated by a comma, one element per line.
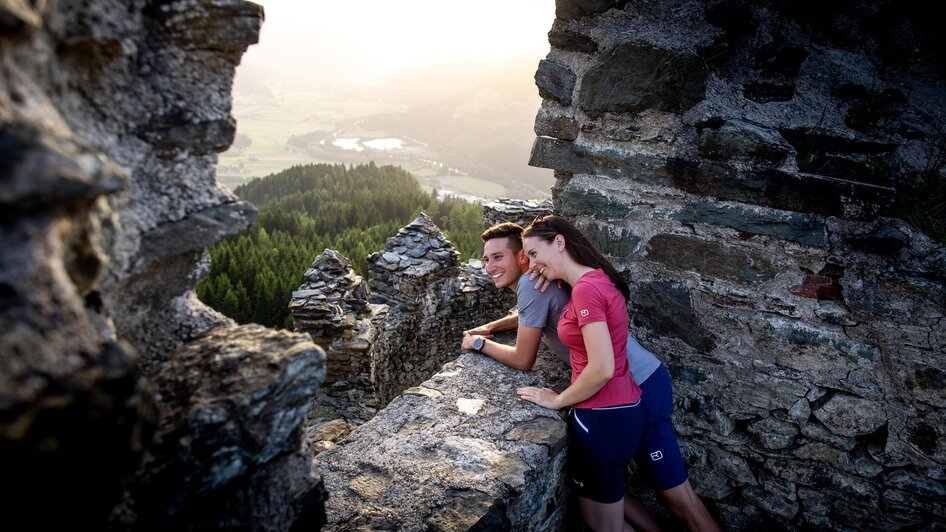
<point>606,420</point>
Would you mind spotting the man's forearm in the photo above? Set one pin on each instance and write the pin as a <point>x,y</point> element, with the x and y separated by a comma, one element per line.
<point>520,356</point>
<point>506,323</point>
<point>506,354</point>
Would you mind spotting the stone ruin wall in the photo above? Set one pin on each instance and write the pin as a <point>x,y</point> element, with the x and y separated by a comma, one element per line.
<point>714,185</point>
<point>124,401</point>
<point>736,160</point>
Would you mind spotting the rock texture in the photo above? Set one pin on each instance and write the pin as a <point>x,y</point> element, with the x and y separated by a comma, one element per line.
<point>431,300</point>
<point>522,212</point>
<point>111,116</point>
<point>739,162</point>
<point>332,306</point>
<point>460,451</point>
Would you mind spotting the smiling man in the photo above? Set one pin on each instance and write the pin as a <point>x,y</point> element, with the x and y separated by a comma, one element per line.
<point>537,320</point>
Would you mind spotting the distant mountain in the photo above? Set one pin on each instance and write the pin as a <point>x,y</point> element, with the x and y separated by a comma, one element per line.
<point>485,129</point>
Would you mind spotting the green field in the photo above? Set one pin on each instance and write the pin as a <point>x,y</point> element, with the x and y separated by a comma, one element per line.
<point>270,117</point>
<point>270,112</point>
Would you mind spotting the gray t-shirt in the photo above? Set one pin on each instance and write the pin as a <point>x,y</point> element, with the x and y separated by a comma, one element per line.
<point>543,310</point>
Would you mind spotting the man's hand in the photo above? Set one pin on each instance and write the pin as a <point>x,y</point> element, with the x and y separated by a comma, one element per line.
<point>467,342</point>
<point>544,397</point>
<point>482,330</point>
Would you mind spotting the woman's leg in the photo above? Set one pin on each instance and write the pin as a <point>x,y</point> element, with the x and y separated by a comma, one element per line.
<point>603,517</point>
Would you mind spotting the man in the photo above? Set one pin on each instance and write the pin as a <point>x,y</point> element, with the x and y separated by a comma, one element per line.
<point>537,320</point>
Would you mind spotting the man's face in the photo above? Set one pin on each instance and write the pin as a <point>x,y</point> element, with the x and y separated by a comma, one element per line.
<point>503,265</point>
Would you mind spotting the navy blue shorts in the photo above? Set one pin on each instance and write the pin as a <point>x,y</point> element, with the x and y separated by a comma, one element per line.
<point>600,442</point>
<point>659,453</point>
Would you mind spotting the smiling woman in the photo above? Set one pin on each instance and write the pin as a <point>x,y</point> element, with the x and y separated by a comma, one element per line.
<point>373,38</point>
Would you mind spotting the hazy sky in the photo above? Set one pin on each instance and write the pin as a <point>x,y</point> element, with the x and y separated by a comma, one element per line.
<point>364,40</point>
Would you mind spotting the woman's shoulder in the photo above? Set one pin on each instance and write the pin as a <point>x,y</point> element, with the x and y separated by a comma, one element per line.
<point>593,283</point>
<point>595,279</point>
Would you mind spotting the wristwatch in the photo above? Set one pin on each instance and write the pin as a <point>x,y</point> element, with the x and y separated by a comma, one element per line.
<point>478,343</point>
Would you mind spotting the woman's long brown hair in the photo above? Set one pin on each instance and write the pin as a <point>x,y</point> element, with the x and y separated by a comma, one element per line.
<point>576,245</point>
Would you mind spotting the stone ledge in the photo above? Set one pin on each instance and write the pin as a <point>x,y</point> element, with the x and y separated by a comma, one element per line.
<point>458,451</point>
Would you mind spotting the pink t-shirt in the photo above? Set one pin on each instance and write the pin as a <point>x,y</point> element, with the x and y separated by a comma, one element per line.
<point>595,298</point>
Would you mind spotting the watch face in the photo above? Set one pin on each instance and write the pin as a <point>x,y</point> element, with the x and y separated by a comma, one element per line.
<point>478,343</point>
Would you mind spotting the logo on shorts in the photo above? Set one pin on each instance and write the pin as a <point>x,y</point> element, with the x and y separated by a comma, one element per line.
<point>584,312</point>
<point>656,455</point>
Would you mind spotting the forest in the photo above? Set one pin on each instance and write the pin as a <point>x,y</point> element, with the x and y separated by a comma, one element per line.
<point>306,209</point>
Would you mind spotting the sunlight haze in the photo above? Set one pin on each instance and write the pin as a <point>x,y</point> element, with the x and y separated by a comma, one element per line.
<point>444,89</point>
<point>366,40</point>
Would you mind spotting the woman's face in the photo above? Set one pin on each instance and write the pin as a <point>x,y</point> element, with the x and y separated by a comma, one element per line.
<point>545,257</point>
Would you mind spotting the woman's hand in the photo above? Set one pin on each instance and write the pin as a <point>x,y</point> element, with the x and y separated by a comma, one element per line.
<point>541,396</point>
<point>544,282</point>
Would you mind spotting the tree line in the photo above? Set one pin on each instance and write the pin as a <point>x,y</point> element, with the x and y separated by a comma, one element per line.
<point>306,209</point>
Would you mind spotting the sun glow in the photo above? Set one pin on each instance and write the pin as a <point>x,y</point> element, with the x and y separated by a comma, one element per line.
<point>369,39</point>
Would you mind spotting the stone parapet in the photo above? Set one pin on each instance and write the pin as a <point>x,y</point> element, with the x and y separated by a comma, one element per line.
<point>459,451</point>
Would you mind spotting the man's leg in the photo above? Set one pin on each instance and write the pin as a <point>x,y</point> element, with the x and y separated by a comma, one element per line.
<point>602,517</point>
<point>660,459</point>
<point>684,503</point>
<point>638,516</point>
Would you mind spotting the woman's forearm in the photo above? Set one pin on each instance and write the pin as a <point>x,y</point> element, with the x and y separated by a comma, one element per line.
<point>586,385</point>
<point>600,366</point>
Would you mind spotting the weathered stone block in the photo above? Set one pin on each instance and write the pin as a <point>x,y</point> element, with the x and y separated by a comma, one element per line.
<point>588,201</point>
<point>778,189</point>
<point>555,82</point>
<point>780,224</point>
<point>771,502</point>
<point>709,258</point>
<point>550,124</point>
<point>572,41</point>
<point>471,455</point>
<point>851,416</point>
<point>619,242</point>
<point>845,486</point>
<point>773,434</point>
<point>732,466</point>
<point>666,309</point>
<point>736,139</point>
<point>571,9</point>
<point>217,433</point>
<point>635,76</point>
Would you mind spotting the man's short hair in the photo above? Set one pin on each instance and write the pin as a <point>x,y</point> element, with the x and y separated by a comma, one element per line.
<point>505,230</point>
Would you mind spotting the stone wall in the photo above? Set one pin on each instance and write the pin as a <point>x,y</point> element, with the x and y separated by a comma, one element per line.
<point>522,212</point>
<point>460,451</point>
<point>332,306</point>
<point>739,163</point>
<point>116,384</point>
<point>432,298</point>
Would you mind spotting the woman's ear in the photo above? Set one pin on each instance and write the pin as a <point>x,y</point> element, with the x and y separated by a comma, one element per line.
<point>560,242</point>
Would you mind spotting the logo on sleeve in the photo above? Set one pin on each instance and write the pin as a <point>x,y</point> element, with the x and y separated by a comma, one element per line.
<point>584,312</point>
